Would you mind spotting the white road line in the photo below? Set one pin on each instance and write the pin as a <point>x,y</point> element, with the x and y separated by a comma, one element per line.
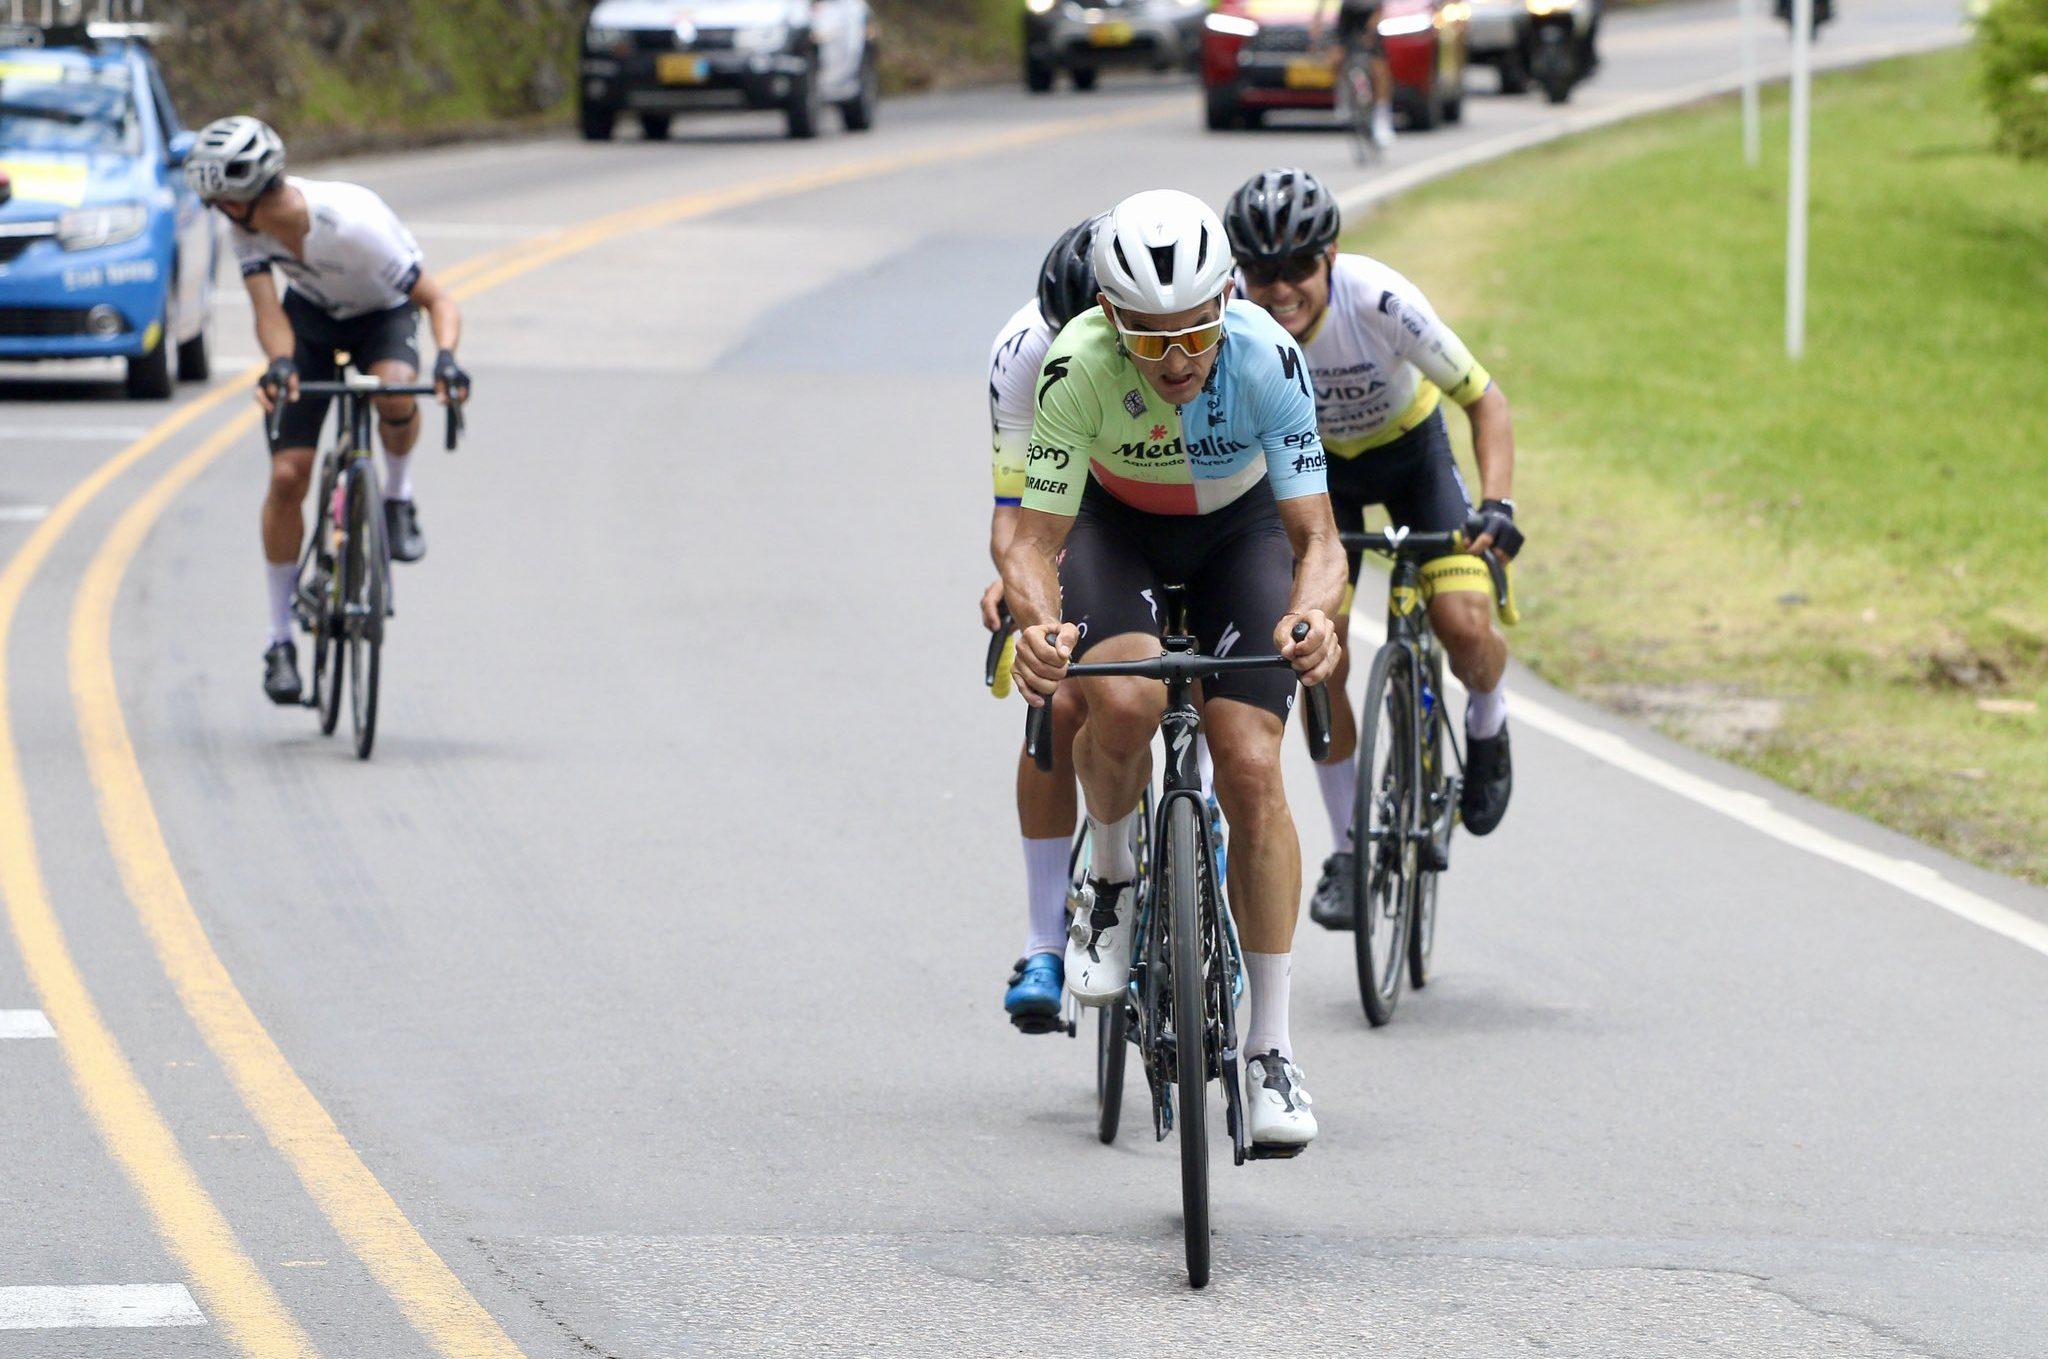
<point>1755,811</point>
<point>36,1308</point>
<point>23,514</point>
<point>124,434</point>
<point>25,1024</point>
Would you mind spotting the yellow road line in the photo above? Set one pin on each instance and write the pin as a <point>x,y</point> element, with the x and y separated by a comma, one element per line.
<point>234,1292</point>
<point>359,1207</point>
<point>372,1224</point>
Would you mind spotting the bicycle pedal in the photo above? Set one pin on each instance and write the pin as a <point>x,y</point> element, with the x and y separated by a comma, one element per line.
<point>1040,1024</point>
<point>1268,1151</point>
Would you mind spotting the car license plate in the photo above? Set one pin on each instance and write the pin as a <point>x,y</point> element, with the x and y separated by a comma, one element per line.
<point>679,68</point>
<point>1110,35</point>
<point>1307,73</point>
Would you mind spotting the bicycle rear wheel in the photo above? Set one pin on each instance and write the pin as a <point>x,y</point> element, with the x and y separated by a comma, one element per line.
<point>1112,1046</point>
<point>364,602</point>
<point>1386,861</point>
<point>1183,920</point>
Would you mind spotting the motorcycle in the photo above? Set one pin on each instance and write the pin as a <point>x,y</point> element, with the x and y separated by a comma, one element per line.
<point>1560,51</point>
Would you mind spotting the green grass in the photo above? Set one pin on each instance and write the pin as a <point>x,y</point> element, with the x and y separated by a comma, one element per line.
<point>1853,538</point>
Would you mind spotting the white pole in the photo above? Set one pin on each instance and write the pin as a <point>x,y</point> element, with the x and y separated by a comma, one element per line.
<point>1752,144</point>
<point>1795,233</point>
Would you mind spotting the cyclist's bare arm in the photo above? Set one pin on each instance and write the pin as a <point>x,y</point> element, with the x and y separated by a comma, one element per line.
<point>273,330</point>
<point>444,316</point>
<point>1493,443</point>
<point>1320,575</point>
<point>1031,584</point>
<point>1002,527</point>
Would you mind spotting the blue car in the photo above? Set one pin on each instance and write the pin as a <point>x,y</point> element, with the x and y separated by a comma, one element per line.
<point>104,252</point>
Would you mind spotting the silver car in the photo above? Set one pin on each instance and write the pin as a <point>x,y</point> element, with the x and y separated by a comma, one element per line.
<point>1081,37</point>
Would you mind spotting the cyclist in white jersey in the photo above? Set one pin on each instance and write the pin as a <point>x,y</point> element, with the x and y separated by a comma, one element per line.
<point>354,284</point>
<point>1046,805</point>
<point>1383,363</point>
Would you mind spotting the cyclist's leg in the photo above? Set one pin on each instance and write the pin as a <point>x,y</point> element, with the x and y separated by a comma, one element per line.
<point>1046,808</point>
<point>283,517</point>
<point>388,346</point>
<point>1461,615</point>
<point>1109,591</point>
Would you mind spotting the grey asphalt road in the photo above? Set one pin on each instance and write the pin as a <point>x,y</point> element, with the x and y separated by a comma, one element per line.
<point>654,964</point>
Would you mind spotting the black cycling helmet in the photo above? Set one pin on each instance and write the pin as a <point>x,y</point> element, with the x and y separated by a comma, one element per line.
<point>1066,281</point>
<point>1278,214</point>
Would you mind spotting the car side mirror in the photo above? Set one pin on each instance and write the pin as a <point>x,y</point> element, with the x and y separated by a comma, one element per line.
<point>180,148</point>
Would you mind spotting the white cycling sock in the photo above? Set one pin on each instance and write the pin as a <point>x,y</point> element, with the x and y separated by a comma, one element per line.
<point>1109,848</point>
<point>284,579</point>
<point>397,475</point>
<point>1205,764</point>
<point>1487,713</point>
<point>1045,887</point>
<point>1339,779</point>
<point>1267,976</point>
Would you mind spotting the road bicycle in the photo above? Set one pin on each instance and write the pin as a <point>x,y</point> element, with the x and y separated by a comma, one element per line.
<point>344,591</point>
<point>1355,99</point>
<point>1407,801</point>
<point>1179,1008</point>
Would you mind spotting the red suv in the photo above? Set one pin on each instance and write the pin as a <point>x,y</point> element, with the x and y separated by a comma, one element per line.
<point>1256,59</point>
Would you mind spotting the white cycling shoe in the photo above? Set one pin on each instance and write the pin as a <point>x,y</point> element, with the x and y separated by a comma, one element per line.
<point>1277,1101</point>
<point>1099,942</point>
<point>1382,126</point>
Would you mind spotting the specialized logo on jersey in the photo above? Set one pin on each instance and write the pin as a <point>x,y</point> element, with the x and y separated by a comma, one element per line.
<point>1054,371</point>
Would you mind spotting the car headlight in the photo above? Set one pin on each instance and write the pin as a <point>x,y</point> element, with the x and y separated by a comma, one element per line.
<point>1233,25</point>
<point>1040,6</point>
<point>1406,24</point>
<point>772,38</point>
<point>1540,8</point>
<point>613,40</point>
<point>89,228</point>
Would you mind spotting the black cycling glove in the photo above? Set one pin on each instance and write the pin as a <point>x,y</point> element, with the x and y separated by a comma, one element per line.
<point>447,370</point>
<point>277,379</point>
<point>1497,517</point>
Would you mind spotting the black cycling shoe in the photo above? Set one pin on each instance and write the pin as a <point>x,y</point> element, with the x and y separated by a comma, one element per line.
<point>281,673</point>
<point>1332,906</point>
<point>402,531</point>
<point>1489,778</point>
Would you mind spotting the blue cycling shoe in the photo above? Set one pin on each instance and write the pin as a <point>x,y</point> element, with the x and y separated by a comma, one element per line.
<point>1033,1000</point>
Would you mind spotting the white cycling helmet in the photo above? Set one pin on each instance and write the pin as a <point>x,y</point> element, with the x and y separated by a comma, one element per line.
<point>235,159</point>
<point>1160,252</point>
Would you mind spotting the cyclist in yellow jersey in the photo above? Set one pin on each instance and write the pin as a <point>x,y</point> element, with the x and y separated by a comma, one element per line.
<point>1382,364</point>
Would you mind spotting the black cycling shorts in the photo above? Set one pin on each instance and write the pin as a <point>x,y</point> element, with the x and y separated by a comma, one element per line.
<point>1236,563</point>
<point>1415,477</point>
<point>367,340</point>
<point>1358,26</point>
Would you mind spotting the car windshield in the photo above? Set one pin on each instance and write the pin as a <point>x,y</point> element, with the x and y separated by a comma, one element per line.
<point>61,108</point>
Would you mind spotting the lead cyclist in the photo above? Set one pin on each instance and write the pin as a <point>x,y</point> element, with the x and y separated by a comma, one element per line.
<point>1383,363</point>
<point>1175,441</point>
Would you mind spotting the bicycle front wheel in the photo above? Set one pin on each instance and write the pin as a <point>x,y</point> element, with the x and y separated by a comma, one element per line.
<point>1422,924</point>
<point>1183,917</point>
<point>1386,859</point>
<point>369,586</point>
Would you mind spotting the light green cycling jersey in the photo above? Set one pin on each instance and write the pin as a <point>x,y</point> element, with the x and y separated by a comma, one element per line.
<point>1096,416</point>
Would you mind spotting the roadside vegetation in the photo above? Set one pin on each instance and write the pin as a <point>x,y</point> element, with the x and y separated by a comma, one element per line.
<point>1829,571</point>
<point>336,76</point>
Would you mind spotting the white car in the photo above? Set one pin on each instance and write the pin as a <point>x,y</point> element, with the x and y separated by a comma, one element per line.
<point>657,58</point>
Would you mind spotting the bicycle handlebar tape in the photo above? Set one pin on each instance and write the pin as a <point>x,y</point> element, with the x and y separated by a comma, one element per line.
<point>1038,735</point>
<point>454,424</point>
